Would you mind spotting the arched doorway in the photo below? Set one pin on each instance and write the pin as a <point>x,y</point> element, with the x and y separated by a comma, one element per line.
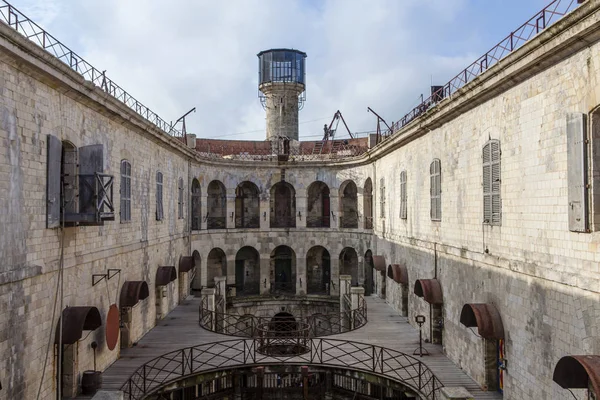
<point>283,270</point>
<point>318,270</point>
<point>349,264</point>
<point>196,278</point>
<point>247,272</point>
<point>247,206</point>
<point>368,204</point>
<point>348,205</point>
<point>318,207</point>
<point>283,205</point>
<point>196,212</point>
<point>217,206</point>
<point>368,267</point>
<point>216,265</point>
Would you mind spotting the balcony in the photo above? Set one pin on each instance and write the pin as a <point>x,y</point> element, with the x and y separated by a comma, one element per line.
<point>283,222</point>
<point>216,223</point>
<point>252,221</point>
<point>318,221</point>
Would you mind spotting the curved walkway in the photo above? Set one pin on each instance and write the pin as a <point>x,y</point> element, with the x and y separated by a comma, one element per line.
<point>385,328</point>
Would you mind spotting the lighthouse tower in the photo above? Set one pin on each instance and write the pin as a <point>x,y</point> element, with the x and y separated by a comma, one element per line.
<point>281,82</point>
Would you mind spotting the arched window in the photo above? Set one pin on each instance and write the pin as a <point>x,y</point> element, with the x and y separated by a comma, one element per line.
<point>216,265</point>
<point>247,206</point>
<point>283,205</point>
<point>317,215</point>
<point>125,191</point>
<point>368,204</point>
<point>403,202</point>
<point>348,205</point>
<point>247,272</point>
<point>492,202</point>
<point>196,202</point>
<point>159,196</point>
<point>217,206</point>
<point>435,170</point>
<point>180,198</point>
<point>283,270</point>
<point>318,270</point>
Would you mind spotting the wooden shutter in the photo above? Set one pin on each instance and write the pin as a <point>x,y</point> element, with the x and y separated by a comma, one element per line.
<point>403,200</point>
<point>577,172</point>
<point>159,200</point>
<point>91,161</point>
<point>436,190</point>
<point>496,217</point>
<point>53,182</point>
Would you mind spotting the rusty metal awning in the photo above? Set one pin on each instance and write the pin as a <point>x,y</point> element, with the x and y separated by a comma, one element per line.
<point>132,292</point>
<point>186,263</point>
<point>578,372</point>
<point>390,272</point>
<point>165,275</point>
<point>74,321</point>
<point>379,263</point>
<point>485,317</point>
<point>430,290</point>
<point>400,274</point>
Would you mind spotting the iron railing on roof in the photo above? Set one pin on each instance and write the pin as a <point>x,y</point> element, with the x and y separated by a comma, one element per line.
<point>516,39</point>
<point>180,364</point>
<point>33,32</point>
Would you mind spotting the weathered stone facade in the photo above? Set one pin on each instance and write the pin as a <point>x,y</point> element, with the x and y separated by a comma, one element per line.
<point>543,278</point>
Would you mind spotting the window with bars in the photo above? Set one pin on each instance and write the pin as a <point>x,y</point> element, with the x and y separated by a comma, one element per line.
<point>403,203</point>
<point>492,203</point>
<point>180,199</point>
<point>159,196</point>
<point>382,198</point>
<point>435,189</point>
<point>125,191</point>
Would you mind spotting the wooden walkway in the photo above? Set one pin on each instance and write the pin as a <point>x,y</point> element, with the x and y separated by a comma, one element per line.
<point>385,328</point>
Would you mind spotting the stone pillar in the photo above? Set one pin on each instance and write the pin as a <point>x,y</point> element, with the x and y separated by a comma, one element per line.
<point>208,305</point>
<point>301,208</point>
<point>455,393</point>
<point>334,272</point>
<point>70,370</point>
<point>356,293</point>
<point>204,208</point>
<point>230,210</point>
<point>265,213</point>
<point>345,283</point>
<point>221,286</point>
<point>184,286</point>
<point>265,274</point>
<point>334,207</point>
<point>301,278</point>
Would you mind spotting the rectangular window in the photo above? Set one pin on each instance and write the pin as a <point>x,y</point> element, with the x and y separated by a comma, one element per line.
<point>492,204</point>
<point>382,197</point>
<point>159,199</point>
<point>403,203</point>
<point>125,191</point>
<point>180,198</point>
<point>435,190</point>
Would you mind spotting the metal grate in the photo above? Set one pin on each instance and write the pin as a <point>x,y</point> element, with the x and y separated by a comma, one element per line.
<point>176,365</point>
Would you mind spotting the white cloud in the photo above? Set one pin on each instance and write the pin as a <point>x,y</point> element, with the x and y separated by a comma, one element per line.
<point>175,55</point>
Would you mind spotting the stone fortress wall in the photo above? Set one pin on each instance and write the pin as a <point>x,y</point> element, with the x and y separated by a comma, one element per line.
<point>542,277</point>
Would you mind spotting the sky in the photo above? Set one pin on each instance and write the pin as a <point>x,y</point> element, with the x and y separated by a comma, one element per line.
<point>178,54</point>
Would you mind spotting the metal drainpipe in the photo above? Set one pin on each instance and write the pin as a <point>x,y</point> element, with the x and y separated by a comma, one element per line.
<point>435,275</point>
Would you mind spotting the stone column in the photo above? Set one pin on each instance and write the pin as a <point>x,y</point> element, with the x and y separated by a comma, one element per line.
<point>345,283</point>
<point>221,286</point>
<point>265,212</point>
<point>356,294</point>
<point>208,306</point>
<point>301,208</point>
<point>301,278</point>
<point>265,274</point>
<point>230,210</point>
<point>334,214</point>
<point>334,272</point>
<point>204,211</point>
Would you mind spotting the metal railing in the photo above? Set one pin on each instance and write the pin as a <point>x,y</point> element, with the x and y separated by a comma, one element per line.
<point>247,289</point>
<point>516,39</point>
<point>282,337</point>
<point>180,364</point>
<point>278,288</point>
<point>349,221</point>
<point>368,222</point>
<point>247,325</point>
<point>317,288</point>
<point>318,221</point>
<point>247,221</point>
<point>33,32</point>
<point>216,223</point>
<point>283,221</point>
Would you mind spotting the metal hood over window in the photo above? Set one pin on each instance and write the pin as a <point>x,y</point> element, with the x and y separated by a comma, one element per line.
<point>578,372</point>
<point>132,292</point>
<point>485,317</point>
<point>430,290</point>
<point>165,275</point>
<point>379,263</point>
<point>74,321</point>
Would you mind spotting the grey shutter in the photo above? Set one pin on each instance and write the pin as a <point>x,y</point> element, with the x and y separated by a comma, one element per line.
<point>496,216</point>
<point>159,200</point>
<point>439,189</point>
<point>91,160</point>
<point>403,200</point>
<point>53,200</point>
<point>487,185</point>
<point>577,172</point>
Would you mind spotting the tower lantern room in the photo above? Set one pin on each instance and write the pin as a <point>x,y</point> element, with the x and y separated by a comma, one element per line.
<point>281,82</point>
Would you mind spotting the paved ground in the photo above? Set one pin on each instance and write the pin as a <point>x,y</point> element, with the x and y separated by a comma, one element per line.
<point>385,328</point>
